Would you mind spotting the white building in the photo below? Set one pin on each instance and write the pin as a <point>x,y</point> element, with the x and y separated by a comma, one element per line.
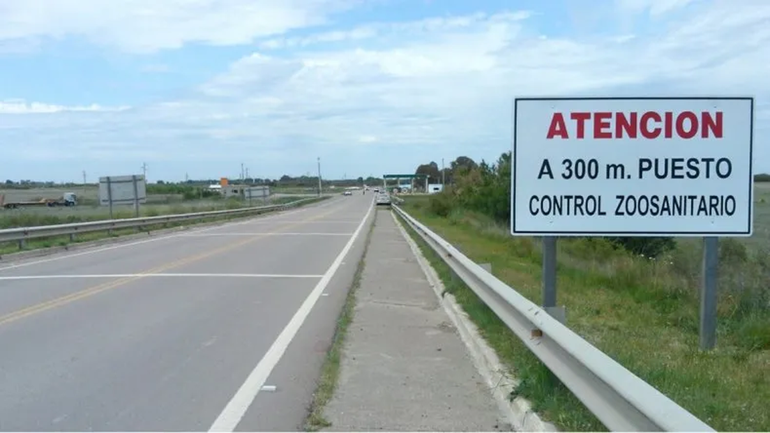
<point>435,187</point>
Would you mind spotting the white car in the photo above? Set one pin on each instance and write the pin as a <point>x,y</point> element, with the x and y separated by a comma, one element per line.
<point>347,193</point>
<point>383,200</point>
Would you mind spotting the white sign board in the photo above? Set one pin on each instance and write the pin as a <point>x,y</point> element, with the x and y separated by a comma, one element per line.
<point>632,167</point>
<point>121,190</point>
<point>257,192</point>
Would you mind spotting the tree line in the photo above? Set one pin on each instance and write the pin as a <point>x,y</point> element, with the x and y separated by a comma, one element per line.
<point>486,188</point>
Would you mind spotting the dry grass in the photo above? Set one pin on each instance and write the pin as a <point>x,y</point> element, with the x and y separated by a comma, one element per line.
<point>642,313</point>
<point>330,370</point>
<point>31,217</point>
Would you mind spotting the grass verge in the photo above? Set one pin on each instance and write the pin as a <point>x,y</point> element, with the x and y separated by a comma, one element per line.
<point>641,313</point>
<point>537,383</point>
<point>330,369</point>
<point>64,241</point>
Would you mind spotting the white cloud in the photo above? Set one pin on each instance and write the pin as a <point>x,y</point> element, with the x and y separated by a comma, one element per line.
<point>431,88</point>
<point>150,25</point>
<point>460,81</point>
<point>15,106</point>
<point>654,7</point>
<point>423,29</point>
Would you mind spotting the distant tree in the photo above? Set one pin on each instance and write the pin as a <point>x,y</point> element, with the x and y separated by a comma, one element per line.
<point>9,182</point>
<point>463,164</point>
<point>762,177</point>
<point>431,170</point>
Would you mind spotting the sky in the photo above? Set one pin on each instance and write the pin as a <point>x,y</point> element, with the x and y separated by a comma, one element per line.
<point>198,87</point>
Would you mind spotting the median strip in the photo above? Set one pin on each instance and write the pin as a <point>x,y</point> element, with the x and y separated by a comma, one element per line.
<point>54,277</point>
<point>330,370</point>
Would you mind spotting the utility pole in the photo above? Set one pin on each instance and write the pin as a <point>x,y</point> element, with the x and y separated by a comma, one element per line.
<point>84,178</point>
<point>319,176</point>
<point>242,172</point>
<point>144,170</point>
<point>443,174</point>
<point>247,172</point>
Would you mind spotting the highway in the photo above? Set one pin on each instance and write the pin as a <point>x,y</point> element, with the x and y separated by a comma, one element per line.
<point>220,328</point>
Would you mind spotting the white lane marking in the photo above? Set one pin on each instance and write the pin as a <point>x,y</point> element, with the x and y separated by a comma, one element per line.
<point>232,414</point>
<point>316,222</point>
<point>194,235</point>
<point>159,238</point>
<point>76,276</point>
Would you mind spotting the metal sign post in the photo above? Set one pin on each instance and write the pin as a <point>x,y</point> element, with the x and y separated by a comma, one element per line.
<point>708,294</point>
<point>136,196</point>
<point>549,271</point>
<point>109,194</point>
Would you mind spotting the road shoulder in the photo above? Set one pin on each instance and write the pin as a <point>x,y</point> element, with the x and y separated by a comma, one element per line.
<point>404,367</point>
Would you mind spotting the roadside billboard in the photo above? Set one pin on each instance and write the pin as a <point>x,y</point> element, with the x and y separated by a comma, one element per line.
<point>261,192</point>
<point>632,167</point>
<point>122,190</point>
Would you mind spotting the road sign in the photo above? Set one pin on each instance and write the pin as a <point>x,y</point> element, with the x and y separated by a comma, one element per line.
<point>632,167</point>
<point>127,190</point>
<point>262,191</point>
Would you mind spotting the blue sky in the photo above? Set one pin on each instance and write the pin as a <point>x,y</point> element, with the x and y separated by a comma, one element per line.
<point>198,87</point>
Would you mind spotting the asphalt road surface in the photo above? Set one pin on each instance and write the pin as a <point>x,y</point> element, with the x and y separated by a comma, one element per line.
<point>220,328</point>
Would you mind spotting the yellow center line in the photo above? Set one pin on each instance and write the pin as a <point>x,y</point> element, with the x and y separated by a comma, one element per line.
<point>64,300</point>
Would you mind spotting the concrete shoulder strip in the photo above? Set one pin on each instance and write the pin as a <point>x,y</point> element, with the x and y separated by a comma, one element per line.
<point>495,374</point>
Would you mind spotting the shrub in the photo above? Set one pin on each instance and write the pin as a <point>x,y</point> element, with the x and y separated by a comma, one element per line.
<point>644,246</point>
<point>441,204</point>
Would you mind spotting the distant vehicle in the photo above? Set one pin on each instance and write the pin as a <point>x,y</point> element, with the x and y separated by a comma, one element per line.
<point>383,200</point>
<point>68,199</point>
<point>347,193</point>
<point>376,190</point>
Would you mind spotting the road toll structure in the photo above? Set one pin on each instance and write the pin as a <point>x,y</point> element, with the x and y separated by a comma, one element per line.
<point>410,177</point>
<point>633,167</point>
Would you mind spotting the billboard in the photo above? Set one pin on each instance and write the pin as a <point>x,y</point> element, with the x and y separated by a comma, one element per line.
<point>119,190</point>
<point>632,167</point>
<point>262,192</point>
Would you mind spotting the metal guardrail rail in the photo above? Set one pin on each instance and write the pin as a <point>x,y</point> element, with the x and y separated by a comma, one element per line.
<point>617,397</point>
<point>21,234</point>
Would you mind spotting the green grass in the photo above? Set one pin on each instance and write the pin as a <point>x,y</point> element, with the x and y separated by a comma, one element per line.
<point>33,219</point>
<point>642,313</point>
<point>537,383</point>
<point>331,367</point>
<point>37,216</point>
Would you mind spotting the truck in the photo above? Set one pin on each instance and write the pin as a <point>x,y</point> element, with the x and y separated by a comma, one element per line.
<point>67,199</point>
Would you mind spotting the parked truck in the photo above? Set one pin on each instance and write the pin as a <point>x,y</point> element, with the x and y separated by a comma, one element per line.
<point>67,199</point>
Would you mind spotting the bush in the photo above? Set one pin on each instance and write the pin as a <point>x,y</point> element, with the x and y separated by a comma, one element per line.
<point>644,246</point>
<point>441,204</point>
<point>196,193</point>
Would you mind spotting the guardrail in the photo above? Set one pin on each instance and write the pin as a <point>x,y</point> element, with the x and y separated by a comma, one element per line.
<point>21,234</point>
<point>617,397</point>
